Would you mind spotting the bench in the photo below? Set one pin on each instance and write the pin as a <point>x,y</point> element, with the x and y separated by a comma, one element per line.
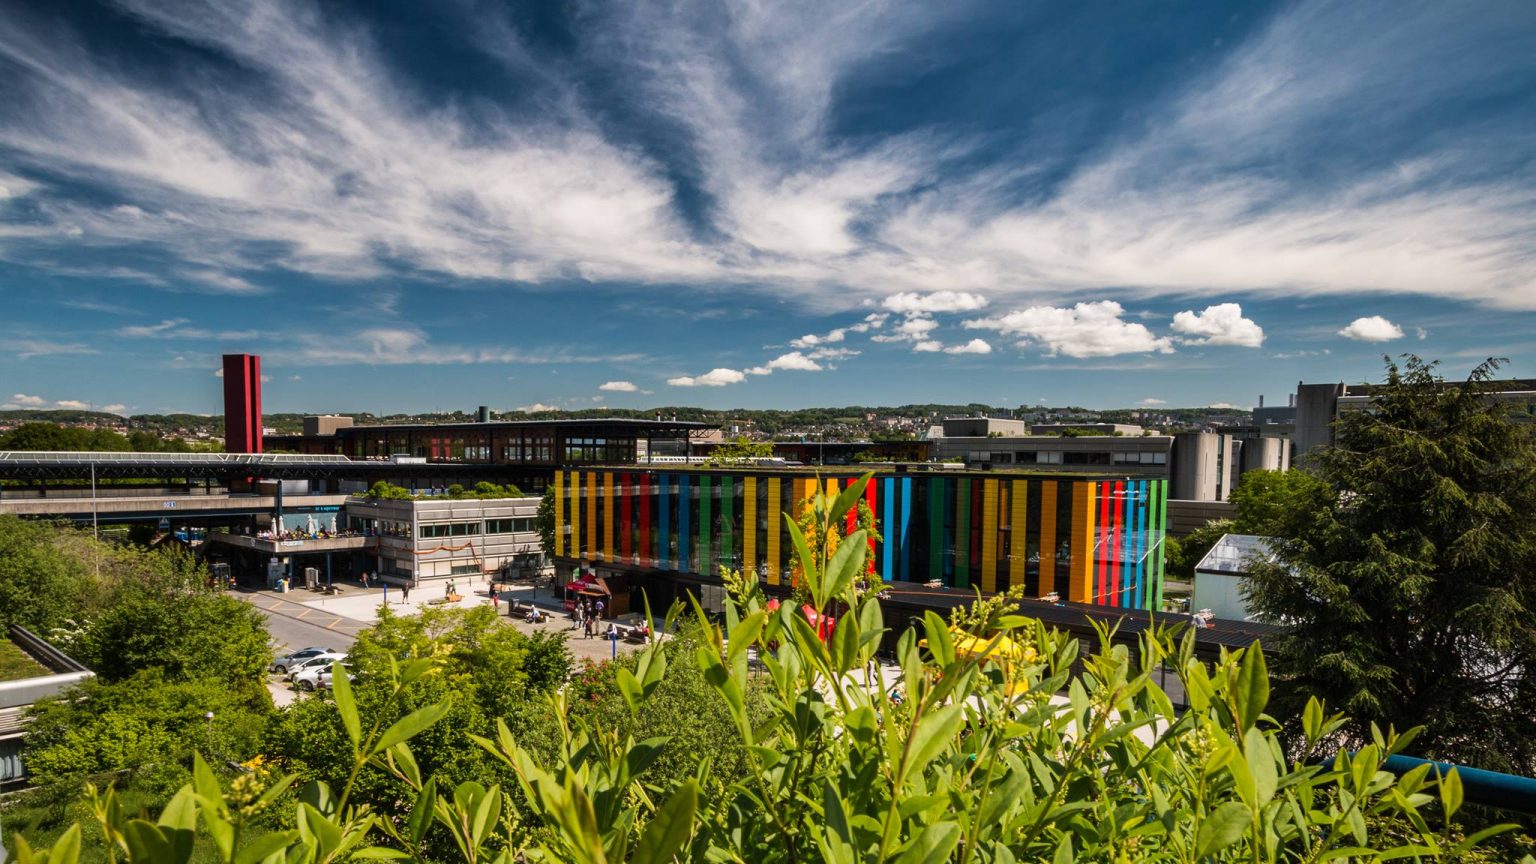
<point>628,633</point>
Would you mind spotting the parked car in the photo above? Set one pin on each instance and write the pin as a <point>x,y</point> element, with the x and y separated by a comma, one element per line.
<point>322,660</point>
<point>286,663</point>
<point>318,676</point>
<point>324,681</point>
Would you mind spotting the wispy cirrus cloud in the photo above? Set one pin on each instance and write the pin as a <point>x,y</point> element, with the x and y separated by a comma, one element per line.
<point>312,151</point>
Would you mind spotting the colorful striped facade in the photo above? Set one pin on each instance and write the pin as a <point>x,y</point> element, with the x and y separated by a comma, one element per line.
<point>1089,540</point>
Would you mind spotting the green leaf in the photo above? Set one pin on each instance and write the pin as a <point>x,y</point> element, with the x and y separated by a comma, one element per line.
<point>808,566</point>
<point>846,499</point>
<point>146,843</point>
<point>178,824</point>
<point>670,828</point>
<point>409,726</point>
<point>939,643</point>
<point>486,815</point>
<point>935,732</point>
<point>846,564</point>
<point>1252,690</point>
<point>1222,828</point>
<point>346,704</point>
<point>66,850</point>
<point>421,814</point>
<point>933,846</point>
<point>1450,793</point>
<point>376,853</point>
<point>1312,719</point>
<point>258,849</point>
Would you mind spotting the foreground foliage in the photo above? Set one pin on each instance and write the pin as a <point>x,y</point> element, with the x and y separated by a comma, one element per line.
<point>948,767</point>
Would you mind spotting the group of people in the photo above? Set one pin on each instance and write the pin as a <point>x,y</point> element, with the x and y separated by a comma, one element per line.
<point>586,615</point>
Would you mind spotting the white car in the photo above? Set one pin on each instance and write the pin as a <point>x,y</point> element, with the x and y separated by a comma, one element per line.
<point>322,661</point>
<point>308,679</point>
<point>288,662</point>
<point>324,680</point>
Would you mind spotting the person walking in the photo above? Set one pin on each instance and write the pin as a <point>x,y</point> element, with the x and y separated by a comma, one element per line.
<point>598,608</point>
<point>495,597</point>
<point>405,592</point>
<point>365,578</point>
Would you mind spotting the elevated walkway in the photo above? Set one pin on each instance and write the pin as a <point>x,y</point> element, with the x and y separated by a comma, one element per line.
<point>138,507</point>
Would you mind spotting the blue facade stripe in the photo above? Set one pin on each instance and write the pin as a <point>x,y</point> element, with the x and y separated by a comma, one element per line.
<point>906,529</point>
<point>1143,568</point>
<point>887,547</point>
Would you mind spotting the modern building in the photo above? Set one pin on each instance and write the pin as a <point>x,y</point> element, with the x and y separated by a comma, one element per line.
<point>1094,540</point>
<point>1319,405</point>
<point>242,403</point>
<point>402,542</point>
<point>528,451</point>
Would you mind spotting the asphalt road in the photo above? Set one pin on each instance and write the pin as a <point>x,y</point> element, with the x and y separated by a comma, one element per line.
<point>294,626</point>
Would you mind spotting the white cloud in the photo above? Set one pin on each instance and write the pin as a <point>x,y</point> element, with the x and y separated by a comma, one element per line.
<point>400,345</point>
<point>712,378</point>
<point>872,321</point>
<point>26,349</point>
<point>928,346</point>
<point>73,404</point>
<point>29,401</point>
<point>175,328</point>
<point>833,353</point>
<point>975,346</point>
<point>328,163</point>
<point>1084,330</point>
<point>12,186</point>
<point>1373,328</point>
<point>115,408</point>
<point>1222,324</point>
<point>811,340</point>
<point>1421,333</point>
<point>1149,401</point>
<point>295,377</point>
<point>915,327</point>
<point>1225,406</point>
<point>938,301</point>
<point>597,398</point>
<point>536,408</point>
<point>618,386</point>
<point>794,360</point>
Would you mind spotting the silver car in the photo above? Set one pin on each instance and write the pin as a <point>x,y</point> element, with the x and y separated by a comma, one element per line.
<point>288,662</point>
<point>321,661</point>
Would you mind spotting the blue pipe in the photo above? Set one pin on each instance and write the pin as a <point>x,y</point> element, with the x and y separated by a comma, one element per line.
<point>1489,788</point>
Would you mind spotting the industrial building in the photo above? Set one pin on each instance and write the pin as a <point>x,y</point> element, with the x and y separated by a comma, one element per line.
<point>1319,405</point>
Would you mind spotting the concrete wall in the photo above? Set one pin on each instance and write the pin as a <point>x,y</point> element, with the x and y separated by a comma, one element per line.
<point>981,427</point>
<point>1026,453</point>
<point>1185,516</point>
<point>1316,405</point>
<point>1196,464</point>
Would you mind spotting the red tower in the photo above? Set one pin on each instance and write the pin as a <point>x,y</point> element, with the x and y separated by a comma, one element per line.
<point>242,403</point>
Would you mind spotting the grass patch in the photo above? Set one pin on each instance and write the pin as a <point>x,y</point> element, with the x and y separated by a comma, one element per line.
<point>16,665</point>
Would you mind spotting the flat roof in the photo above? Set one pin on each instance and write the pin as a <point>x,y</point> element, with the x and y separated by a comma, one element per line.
<point>573,421</point>
<point>881,469</point>
<point>118,457</point>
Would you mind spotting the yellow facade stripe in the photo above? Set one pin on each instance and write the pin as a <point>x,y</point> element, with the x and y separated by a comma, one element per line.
<point>1080,584</point>
<point>749,527</point>
<point>1047,536</point>
<point>775,530</point>
<point>559,549</point>
<point>832,490</point>
<point>592,549</point>
<point>1018,551</point>
<point>608,516</point>
<point>575,512</point>
<point>989,535</point>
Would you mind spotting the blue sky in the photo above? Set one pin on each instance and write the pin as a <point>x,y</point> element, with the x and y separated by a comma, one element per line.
<point>409,206</point>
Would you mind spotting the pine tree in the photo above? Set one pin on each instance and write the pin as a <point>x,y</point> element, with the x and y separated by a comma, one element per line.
<point>1406,574</point>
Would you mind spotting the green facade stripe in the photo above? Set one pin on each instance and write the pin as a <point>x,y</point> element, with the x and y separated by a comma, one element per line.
<point>936,528</point>
<point>727,520</point>
<point>1159,532</point>
<point>706,525</point>
<point>963,533</point>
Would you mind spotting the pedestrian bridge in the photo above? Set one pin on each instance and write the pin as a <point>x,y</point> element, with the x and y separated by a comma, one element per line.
<point>139,508</point>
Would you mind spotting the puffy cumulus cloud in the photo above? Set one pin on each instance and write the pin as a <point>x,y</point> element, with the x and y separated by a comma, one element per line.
<point>975,346</point>
<point>1149,402</point>
<point>712,378</point>
<point>1373,328</point>
<point>73,404</point>
<point>115,408</point>
<point>1084,330</point>
<point>536,408</point>
<point>810,340</point>
<point>1223,406</point>
<point>618,386</point>
<point>29,400</point>
<point>1222,324</point>
<point>928,346</point>
<point>937,301</point>
<point>796,361</point>
<point>872,321</point>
